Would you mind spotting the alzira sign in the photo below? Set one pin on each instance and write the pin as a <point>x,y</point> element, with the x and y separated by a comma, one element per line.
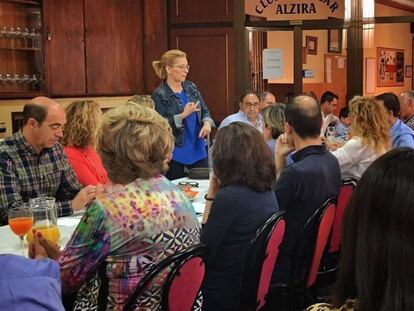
<point>295,9</point>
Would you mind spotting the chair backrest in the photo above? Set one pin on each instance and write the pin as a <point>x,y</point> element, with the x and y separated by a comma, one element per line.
<point>181,290</point>
<point>345,193</point>
<point>302,256</point>
<point>178,264</point>
<point>323,231</point>
<point>260,261</point>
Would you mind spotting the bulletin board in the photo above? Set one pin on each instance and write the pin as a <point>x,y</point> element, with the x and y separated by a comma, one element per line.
<point>335,68</point>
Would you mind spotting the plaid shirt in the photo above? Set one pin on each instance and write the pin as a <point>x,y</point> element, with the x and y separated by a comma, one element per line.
<point>26,174</point>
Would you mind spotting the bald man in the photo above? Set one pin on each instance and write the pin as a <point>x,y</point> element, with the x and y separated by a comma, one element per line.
<point>312,178</point>
<point>32,162</point>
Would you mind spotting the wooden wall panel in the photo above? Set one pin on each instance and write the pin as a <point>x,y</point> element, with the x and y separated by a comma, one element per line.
<point>129,47</point>
<point>101,59</point>
<point>200,11</point>
<point>210,55</point>
<point>155,39</point>
<point>65,51</point>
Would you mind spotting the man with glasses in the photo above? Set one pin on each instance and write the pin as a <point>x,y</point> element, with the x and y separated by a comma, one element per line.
<point>33,164</point>
<point>249,112</point>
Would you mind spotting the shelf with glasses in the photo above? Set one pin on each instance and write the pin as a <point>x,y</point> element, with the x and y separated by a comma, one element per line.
<point>23,2</point>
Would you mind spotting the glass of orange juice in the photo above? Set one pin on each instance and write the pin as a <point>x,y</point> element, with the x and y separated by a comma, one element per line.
<point>45,219</point>
<point>21,221</point>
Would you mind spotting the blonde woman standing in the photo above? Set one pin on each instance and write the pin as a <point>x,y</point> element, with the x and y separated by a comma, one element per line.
<point>180,102</point>
<point>83,119</point>
<point>370,137</point>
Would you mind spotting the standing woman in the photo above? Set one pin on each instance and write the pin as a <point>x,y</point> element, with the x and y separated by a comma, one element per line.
<point>180,102</point>
<point>79,137</point>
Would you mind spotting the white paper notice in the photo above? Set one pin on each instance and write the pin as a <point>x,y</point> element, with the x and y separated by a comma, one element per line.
<point>272,64</point>
<point>328,69</point>
<point>341,62</point>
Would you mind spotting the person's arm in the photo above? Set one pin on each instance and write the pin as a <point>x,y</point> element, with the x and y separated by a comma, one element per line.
<point>68,187</point>
<point>404,140</point>
<point>87,249</point>
<point>283,149</point>
<point>287,188</point>
<point>349,154</point>
<point>9,189</point>
<point>210,197</point>
<point>205,113</point>
<point>222,215</point>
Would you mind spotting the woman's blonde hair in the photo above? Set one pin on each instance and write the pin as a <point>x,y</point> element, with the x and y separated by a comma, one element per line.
<point>134,141</point>
<point>274,119</point>
<point>144,100</point>
<point>370,123</point>
<point>167,59</point>
<point>83,118</point>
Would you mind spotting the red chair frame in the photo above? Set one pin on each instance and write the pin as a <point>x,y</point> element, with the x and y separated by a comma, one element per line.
<point>178,263</point>
<point>260,261</point>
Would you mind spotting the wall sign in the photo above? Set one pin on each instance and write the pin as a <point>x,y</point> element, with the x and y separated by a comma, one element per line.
<point>272,64</point>
<point>295,9</point>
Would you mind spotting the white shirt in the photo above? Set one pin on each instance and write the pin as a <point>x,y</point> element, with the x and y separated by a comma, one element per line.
<point>354,157</point>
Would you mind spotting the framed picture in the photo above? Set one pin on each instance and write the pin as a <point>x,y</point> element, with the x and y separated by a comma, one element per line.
<point>408,71</point>
<point>390,67</point>
<point>312,45</point>
<point>335,41</point>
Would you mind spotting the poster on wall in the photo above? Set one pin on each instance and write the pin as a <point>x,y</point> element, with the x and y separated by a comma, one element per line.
<point>390,67</point>
<point>272,64</point>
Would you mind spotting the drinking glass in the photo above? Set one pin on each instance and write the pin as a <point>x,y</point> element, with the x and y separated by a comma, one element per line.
<point>45,219</point>
<point>330,134</point>
<point>21,221</point>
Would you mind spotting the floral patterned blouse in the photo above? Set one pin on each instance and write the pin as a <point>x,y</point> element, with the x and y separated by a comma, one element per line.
<point>129,231</point>
<point>350,305</point>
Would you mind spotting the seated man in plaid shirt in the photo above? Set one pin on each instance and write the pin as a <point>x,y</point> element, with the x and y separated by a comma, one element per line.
<point>33,164</point>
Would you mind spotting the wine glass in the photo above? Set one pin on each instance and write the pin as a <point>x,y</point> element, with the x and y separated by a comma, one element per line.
<point>21,221</point>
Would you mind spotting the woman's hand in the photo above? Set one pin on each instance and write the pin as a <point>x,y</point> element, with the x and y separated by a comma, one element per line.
<point>189,108</point>
<point>41,248</point>
<point>205,130</point>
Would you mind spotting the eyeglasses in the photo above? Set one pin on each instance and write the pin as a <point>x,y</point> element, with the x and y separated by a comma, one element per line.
<point>251,105</point>
<point>188,183</point>
<point>182,67</point>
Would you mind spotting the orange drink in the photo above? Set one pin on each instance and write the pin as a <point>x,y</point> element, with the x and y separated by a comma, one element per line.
<point>21,225</point>
<point>49,232</point>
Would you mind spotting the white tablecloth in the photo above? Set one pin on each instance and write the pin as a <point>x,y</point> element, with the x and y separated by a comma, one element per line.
<point>10,243</point>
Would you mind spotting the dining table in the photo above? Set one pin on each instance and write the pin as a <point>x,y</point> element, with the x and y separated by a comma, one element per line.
<point>10,243</point>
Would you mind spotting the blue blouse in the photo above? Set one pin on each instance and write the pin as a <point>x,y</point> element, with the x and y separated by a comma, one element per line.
<point>194,148</point>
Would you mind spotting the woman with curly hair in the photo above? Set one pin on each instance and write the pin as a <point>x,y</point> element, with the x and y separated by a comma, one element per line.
<point>79,136</point>
<point>370,137</point>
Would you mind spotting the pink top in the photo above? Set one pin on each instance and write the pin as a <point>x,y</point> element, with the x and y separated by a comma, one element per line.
<point>87,165</point>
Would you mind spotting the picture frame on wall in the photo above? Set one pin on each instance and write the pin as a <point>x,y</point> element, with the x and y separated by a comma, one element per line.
<point>335,41</point>
<point>312,45</point>
<point>408,71</point>
<point>390,67</point>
